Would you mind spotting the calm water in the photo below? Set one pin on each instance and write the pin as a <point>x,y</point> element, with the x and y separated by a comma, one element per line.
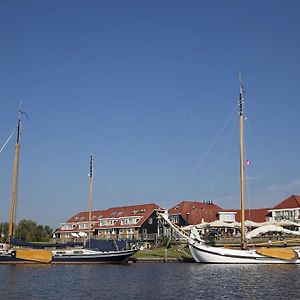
<point>150,281</point>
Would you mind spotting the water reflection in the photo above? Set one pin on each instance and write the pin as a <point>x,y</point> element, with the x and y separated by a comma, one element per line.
<point>150,281</point>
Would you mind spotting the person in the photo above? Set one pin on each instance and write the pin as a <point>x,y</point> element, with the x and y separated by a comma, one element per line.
<point>269,243</point>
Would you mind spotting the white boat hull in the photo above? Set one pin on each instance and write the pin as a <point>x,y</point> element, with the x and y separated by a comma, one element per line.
<point>208,254</point>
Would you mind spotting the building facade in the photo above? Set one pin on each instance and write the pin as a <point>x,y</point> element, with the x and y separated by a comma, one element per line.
<point>141,222</point>
<point>136,222</point>
<point>288,209</point>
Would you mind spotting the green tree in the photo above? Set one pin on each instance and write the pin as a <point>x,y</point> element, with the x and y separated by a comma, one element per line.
<point>30,231</point>
<point>4,232</point>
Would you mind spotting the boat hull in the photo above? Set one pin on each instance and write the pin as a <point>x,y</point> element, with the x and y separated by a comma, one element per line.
<point>93,257</point>
<point>207,254</point>
<point>74,256</point>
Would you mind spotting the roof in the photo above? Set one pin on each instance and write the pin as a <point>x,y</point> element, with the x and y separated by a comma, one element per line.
<point>194,211</point>
<point>291,202</point>
<point>141,212</point>
<point>255,215</point>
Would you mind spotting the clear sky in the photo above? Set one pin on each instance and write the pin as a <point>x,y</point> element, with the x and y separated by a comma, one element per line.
<point>151,89</point>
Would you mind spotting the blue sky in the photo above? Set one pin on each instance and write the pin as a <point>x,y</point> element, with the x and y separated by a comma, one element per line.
<point>151,89</point>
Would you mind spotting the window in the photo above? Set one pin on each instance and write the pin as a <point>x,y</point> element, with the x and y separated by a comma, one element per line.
<point>124,221</point>
<point>67,226</point>
<point>150,221</point>
<point>103,223</point>
<point>83,226</point>
<point>175,219</point>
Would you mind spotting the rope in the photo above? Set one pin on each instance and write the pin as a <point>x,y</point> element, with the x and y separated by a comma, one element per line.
<point>7,141</point>
<point>225,153</point>
<point>107,183</point>
<point>199,163</point>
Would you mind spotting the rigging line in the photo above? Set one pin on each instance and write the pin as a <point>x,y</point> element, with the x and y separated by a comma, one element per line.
<point>43,167</point>
<point>199,163</point>
<point>7,141</point>
<point>247,184</point>
<point>262,157</point>
<point>107,183</point>
<point>258,149</point>
<point>223,156</point>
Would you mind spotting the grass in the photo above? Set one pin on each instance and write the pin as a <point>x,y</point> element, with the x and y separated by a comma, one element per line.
<point>173,252</point>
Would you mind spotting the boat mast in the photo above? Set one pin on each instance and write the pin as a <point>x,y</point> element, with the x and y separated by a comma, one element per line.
<point>15,179</point>
<point>242,177</point>
<point>90,199</point>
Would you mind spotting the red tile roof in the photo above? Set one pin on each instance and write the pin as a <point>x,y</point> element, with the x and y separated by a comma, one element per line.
<point>291,202</point>
<point>255,215</point>
<point>141,212</point>
<point>194,212</point>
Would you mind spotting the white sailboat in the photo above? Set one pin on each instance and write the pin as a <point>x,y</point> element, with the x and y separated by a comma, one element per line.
<point>203,253</point>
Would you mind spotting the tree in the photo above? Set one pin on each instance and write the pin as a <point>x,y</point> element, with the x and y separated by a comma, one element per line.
<point>29,231</point>
<point>4,232</point>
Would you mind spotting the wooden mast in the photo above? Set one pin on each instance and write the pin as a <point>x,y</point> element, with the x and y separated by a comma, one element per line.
<point>90,199</point>
<point>242,177</point>
<point>11,231</point>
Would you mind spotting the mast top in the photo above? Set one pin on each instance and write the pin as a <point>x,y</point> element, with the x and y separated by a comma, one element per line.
<point>19,123</point>
<point>91,166</point>
<point>241,98</point>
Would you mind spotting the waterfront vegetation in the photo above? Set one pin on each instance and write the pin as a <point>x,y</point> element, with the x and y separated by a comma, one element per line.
<point>162,253</point>
<point>28,231</point>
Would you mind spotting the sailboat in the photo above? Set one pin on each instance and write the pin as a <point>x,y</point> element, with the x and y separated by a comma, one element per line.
<point>9,253</point>
<point>93,251</point>
<point>203,253</point>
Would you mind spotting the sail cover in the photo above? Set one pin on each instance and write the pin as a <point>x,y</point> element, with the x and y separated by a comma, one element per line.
<point>269,228</point>
<point>106,245</point>
<point>20,243</point>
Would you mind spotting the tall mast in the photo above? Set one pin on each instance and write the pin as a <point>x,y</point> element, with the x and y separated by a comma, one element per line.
<point>15,179</point>
<point>242,177</point>
<point>90,199</point>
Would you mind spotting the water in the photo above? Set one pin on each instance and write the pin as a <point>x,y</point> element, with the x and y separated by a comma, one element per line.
<point>150,281</point>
